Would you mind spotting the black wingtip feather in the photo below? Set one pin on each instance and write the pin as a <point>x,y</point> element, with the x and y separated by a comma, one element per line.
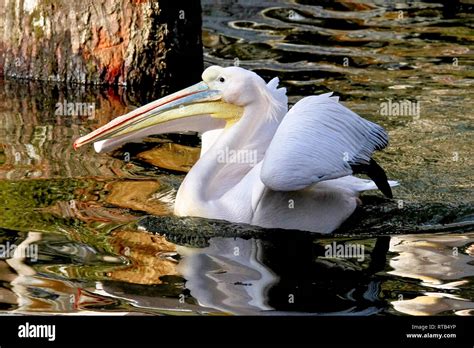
<point>376,173</point>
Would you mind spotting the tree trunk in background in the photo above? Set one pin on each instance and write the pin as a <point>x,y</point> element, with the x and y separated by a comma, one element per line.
<point>126,42</point>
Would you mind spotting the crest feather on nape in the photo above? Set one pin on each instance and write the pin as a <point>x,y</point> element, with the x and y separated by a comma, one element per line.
<point>275,98</point>
<point>273,83</point>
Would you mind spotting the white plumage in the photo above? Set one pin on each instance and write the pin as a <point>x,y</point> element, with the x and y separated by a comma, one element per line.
<point>317,140</point>
<point>261,164</point>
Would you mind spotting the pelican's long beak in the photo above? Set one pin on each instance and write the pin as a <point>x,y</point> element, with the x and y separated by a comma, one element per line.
<point>195,100</point>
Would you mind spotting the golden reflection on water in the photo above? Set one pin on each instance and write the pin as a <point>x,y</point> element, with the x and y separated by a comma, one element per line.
<point>36,143</point>
<point>439,262</point>
<point>150,257</point>
<point>172,156</point>
<point>140,195</point>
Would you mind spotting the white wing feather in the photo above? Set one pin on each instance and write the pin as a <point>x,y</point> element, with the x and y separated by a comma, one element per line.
<point>318,140</point>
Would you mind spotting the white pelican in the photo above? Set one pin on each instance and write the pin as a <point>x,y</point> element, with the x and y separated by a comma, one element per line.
<point>261,164</point>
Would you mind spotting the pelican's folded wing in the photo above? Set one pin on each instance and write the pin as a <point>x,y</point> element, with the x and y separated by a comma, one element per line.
<point>319,139</point>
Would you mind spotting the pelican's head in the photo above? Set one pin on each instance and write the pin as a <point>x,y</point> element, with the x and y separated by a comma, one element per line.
<point>236,85</point>
<point>217,101</point>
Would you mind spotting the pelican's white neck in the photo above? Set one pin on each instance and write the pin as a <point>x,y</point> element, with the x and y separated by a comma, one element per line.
<point>236,151</point>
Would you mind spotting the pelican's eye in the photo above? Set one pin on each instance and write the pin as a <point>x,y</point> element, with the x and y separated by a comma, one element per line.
<point>221,79</point>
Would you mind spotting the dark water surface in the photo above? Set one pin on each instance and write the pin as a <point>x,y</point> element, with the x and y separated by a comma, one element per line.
<point>76,218</point>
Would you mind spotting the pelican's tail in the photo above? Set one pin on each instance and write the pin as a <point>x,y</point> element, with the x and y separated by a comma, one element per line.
<point>359,185</point>
<point>367,185</point>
